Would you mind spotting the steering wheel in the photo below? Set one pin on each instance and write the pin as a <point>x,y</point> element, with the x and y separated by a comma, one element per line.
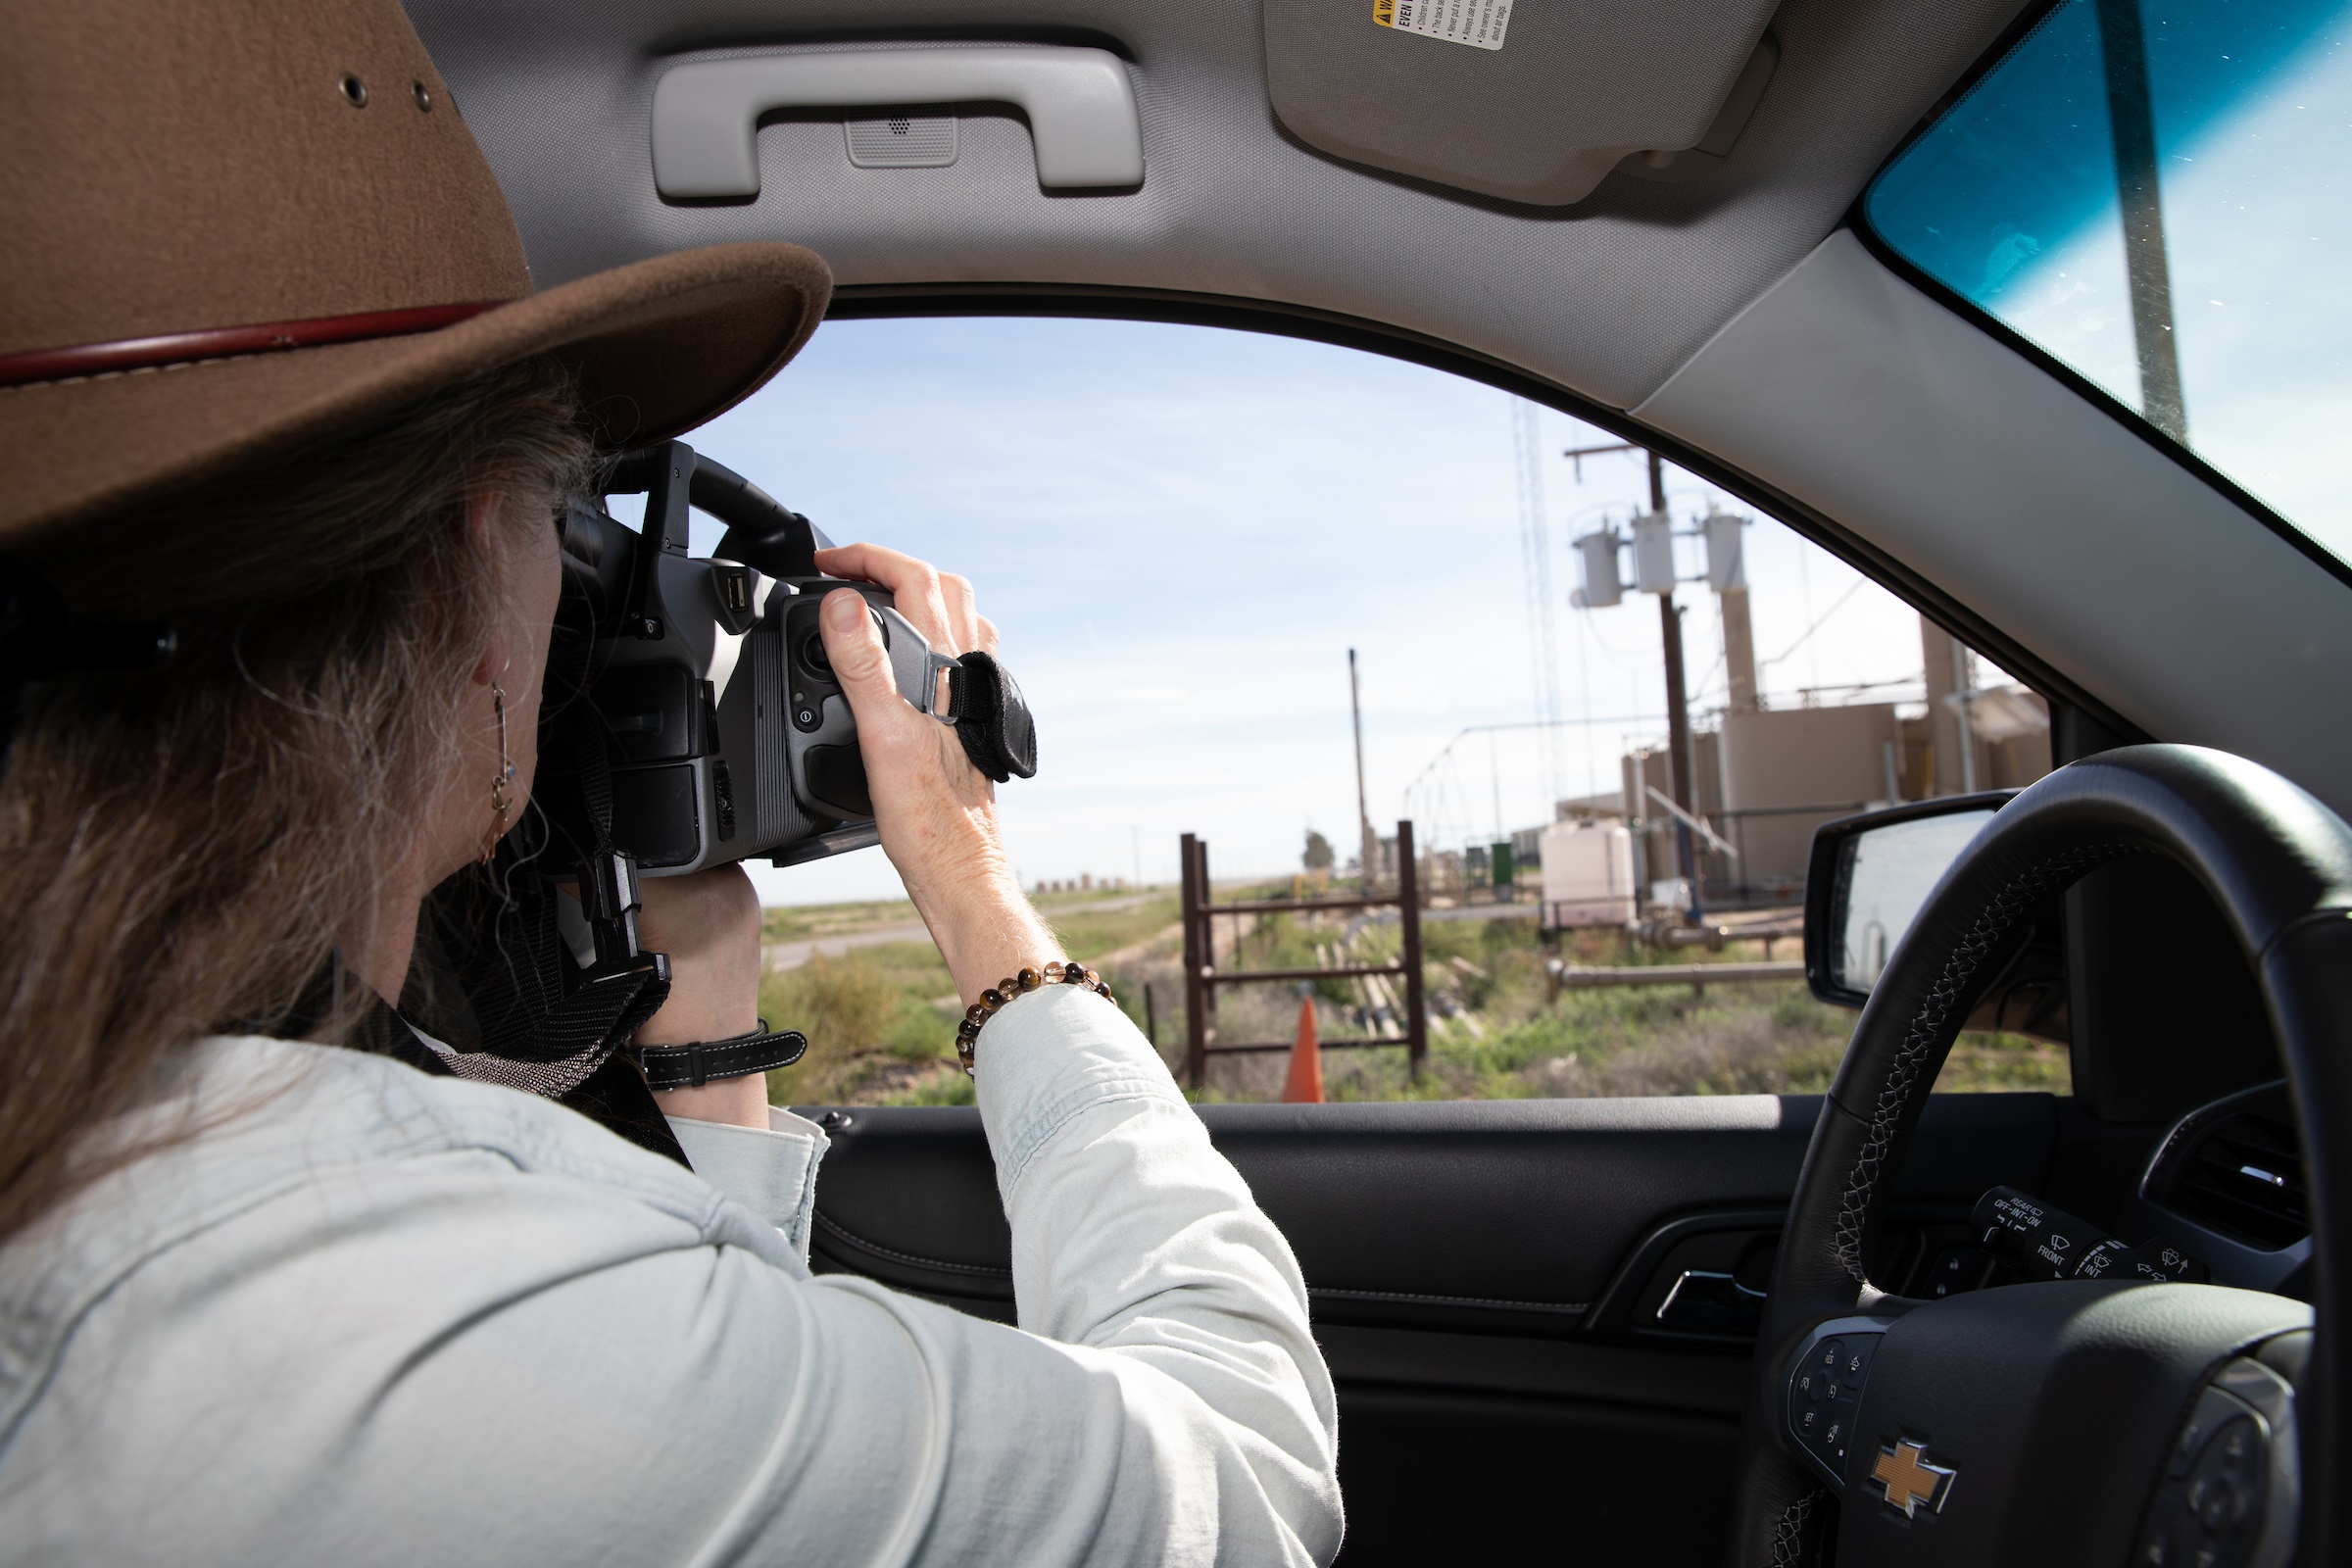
<point>2095,1422</point>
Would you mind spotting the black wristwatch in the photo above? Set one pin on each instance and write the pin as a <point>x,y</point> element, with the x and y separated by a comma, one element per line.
<point>707,1060</point>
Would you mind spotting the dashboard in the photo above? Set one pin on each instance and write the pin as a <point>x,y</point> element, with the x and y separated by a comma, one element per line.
<point>2221,1200</point>
<point>2226,1185</point>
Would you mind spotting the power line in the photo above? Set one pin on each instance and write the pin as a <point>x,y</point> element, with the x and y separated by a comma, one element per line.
<point>1822,621</point>
<point>1446,751</point>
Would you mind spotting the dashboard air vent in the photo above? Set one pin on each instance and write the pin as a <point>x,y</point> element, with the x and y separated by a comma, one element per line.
<point>2243,1177</point>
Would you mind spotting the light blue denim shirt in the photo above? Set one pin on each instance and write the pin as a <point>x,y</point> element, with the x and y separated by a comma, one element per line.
<point>359,1315</point>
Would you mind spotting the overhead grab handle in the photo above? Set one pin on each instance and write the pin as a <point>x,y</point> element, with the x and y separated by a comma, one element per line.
<point>1080,104</point>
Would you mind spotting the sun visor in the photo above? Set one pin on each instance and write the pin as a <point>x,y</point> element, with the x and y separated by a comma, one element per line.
<point>1530,104</point>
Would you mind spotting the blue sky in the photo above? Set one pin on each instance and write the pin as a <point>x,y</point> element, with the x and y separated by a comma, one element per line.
<point>1182,530</point>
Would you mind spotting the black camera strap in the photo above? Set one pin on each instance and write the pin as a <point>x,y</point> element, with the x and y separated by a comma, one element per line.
<point>494,980</point>
<point>436,1031</point>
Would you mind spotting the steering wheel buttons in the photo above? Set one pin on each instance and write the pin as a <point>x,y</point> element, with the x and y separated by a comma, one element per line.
<point>1825,1389</point>
<point>2212,1411</point>
<point>2209,1510</point>
<point>1957,1269</point>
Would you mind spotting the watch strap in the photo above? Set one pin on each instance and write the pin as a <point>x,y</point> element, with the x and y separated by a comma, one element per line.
<point>690,1067</point>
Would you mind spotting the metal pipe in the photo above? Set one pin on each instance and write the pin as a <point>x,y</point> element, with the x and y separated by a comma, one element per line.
<point>1198,953</point>
<point>1408,908</point>
<point>1296,906</point>
<point>1696,824</point>
<point>1576,978</point>
<point>1341,972</point>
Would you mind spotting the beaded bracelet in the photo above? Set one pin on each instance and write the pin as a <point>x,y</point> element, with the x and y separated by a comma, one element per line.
<point>1004,991</point>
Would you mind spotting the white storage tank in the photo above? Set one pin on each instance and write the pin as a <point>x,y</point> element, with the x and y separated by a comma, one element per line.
<point>1589,875</point>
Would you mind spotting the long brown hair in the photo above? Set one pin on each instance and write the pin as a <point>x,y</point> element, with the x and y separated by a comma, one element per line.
<point>180,849</point>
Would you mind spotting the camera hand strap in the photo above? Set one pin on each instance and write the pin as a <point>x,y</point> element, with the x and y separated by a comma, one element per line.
<point>991,717</point>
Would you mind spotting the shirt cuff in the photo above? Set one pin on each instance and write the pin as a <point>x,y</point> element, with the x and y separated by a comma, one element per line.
<point>772,1172</point>
<point>1050,1054</point>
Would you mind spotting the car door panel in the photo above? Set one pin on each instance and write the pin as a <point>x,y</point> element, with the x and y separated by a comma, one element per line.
<point>1435,1476</point>
<point>1510,1216</point>
<point>1484,1278</point>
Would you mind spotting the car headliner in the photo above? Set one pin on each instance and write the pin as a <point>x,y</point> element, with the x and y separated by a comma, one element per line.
<point>1605,298</point>
<point>1728,311</point>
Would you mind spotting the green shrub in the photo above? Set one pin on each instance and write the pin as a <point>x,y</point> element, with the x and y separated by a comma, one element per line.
<point>866,1019</point>
<point>844,1006</point>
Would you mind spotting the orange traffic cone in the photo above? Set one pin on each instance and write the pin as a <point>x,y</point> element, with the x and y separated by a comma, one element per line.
<point>1305,1086</point>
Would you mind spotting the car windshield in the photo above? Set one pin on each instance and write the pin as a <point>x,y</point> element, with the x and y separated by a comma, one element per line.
<point>2158,194</point>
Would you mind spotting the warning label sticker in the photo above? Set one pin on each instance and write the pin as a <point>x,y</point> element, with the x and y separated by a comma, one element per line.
<point>1480,23</point>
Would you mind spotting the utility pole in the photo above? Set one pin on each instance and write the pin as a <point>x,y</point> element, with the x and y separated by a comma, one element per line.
<point>1654,573</point>
<point>1534,546</point>
<point>1363,813</point>
<point>1677,711</point>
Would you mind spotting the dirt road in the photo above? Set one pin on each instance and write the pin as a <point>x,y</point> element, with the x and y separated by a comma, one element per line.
<point>780,955</point>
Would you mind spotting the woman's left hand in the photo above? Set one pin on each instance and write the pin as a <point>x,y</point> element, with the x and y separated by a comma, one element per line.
<point>709,923</point>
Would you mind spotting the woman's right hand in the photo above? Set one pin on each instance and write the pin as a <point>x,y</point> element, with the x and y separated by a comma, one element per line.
<point>937,812</point>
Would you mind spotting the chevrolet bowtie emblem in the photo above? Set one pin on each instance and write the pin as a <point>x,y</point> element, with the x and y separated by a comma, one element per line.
<point>1909,1480</point>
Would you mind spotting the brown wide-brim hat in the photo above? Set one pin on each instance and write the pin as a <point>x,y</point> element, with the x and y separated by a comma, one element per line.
<point>229,227</point>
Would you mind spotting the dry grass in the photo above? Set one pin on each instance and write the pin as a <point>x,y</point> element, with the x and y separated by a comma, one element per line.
<point>801,921</point>
<point>876,1032</point>
<point>881,1020</point>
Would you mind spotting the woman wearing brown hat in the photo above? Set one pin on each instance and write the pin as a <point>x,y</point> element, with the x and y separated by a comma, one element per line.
<point>281,1282</point>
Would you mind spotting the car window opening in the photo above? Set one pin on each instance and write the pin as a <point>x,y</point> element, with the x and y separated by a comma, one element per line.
<point>1588,923</point>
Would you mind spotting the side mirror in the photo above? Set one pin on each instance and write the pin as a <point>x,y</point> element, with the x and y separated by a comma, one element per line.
<point>1867,879</point>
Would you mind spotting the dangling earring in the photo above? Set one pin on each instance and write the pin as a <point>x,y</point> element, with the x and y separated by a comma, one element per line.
<point>504,778</point>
